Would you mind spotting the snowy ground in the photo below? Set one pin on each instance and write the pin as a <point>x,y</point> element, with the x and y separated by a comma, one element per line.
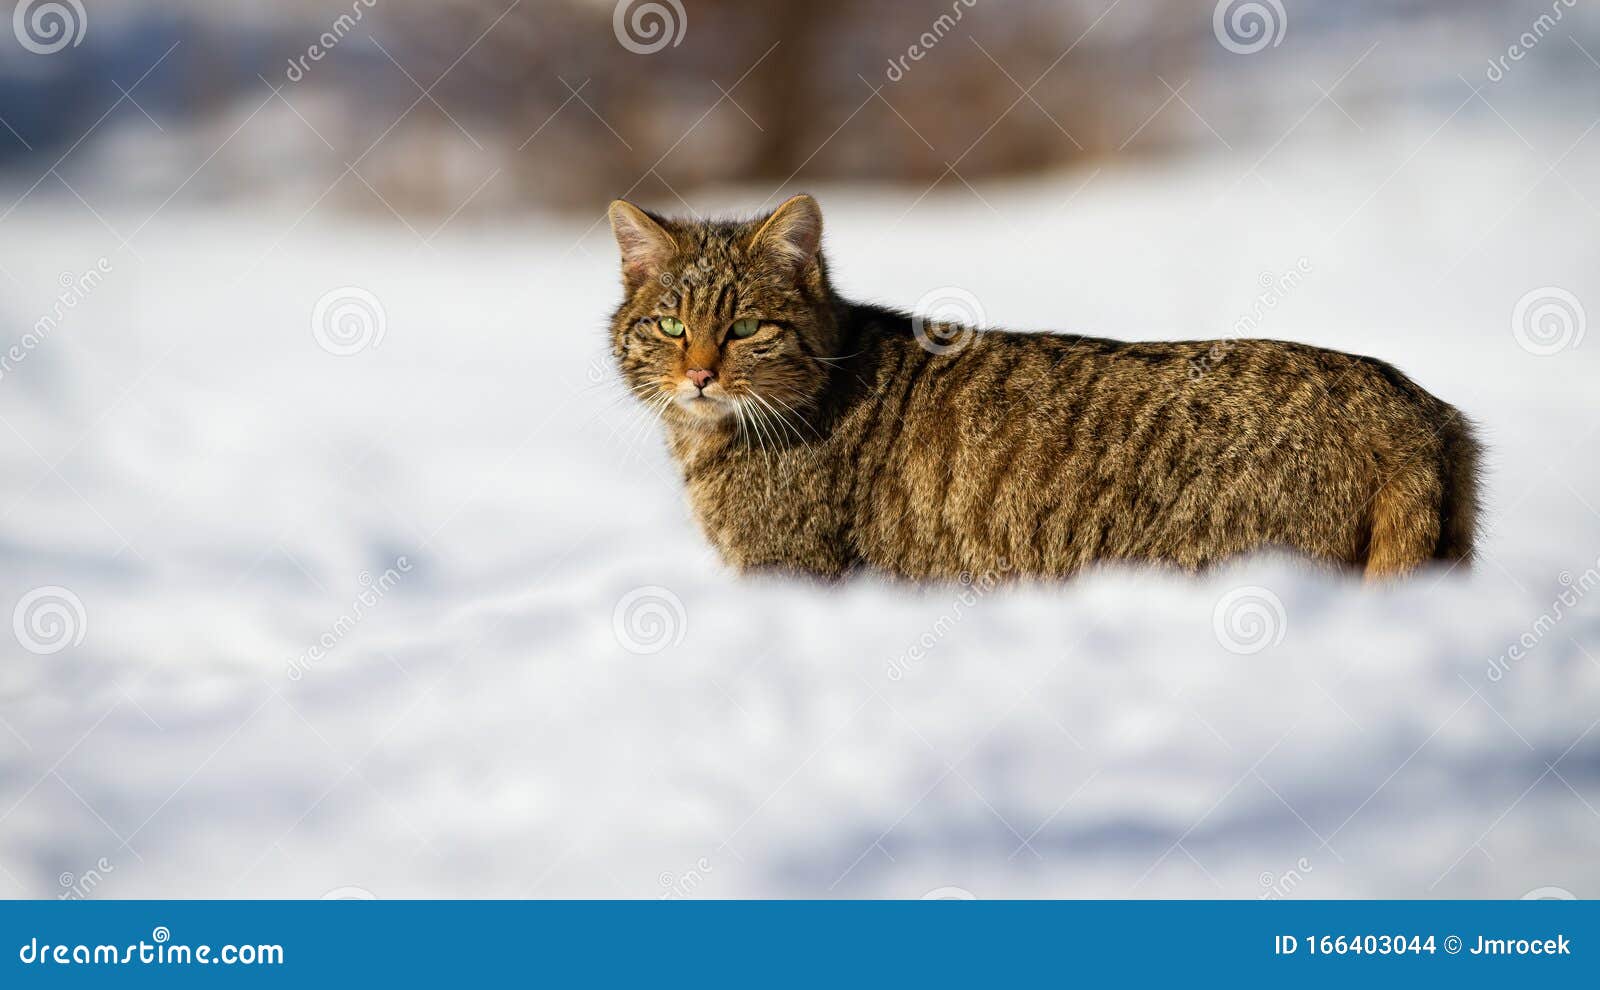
<point>213,488</point>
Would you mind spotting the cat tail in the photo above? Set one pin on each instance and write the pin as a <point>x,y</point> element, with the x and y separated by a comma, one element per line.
<point>1461,473</point>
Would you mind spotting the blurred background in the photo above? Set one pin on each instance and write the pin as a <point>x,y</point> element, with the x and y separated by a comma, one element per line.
<point>423,107</point>
<point>338,563</point>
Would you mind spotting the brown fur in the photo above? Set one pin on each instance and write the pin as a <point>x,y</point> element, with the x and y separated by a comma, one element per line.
<point>833,439</point>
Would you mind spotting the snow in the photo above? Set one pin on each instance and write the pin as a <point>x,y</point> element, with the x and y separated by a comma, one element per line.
<point>219,492</point>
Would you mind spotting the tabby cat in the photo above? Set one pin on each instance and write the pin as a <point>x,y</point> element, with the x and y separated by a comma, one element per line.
<point>821,436</point>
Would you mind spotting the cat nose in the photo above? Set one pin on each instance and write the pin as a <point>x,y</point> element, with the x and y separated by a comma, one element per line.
<point>701,377</point>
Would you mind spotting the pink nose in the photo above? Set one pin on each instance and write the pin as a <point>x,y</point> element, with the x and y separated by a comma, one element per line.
<point>701,377</point>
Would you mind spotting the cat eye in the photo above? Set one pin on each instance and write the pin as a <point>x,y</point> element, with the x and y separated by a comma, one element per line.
<point>670,326</point>
<point>745,328</point>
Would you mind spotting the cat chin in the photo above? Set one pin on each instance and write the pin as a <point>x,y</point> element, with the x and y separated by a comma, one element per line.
<point>704,411</point>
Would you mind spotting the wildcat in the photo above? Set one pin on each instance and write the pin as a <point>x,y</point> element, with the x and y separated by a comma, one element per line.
<point>820,435</point>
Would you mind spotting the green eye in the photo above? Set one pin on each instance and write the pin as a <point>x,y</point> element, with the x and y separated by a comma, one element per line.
<point>745,328</point>
<point>671,327</point>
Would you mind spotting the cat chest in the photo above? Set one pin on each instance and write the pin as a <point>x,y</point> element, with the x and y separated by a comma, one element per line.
<point>765,510</point>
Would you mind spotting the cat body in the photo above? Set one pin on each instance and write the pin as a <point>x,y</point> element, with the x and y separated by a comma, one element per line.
<point>821,436</point>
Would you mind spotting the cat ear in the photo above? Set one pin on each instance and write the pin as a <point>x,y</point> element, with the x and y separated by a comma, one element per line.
<point>646,246</point>
<point>793,234</point>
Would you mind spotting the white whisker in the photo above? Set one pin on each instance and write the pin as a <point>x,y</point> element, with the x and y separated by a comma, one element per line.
<point>796,414</point>
<point>648,417</point>
<point>832,360</point>
<point>758,418</point>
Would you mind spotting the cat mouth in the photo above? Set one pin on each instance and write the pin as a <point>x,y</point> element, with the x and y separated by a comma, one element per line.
<point>705,406</point>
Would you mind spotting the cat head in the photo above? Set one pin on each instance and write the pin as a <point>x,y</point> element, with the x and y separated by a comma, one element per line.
<point>722,318</point>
